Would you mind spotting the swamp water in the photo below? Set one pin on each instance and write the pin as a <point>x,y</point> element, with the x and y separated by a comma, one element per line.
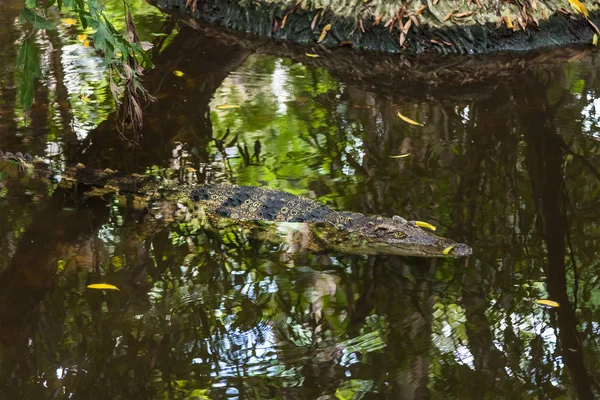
<point>511,168</point>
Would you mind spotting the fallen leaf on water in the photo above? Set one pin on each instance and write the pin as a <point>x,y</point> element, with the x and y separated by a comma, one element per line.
<point>549,303</point>
<point>401,156</point>
<point>81,38</point>
<point>178,73</point>
<point>324,33</point>
<point>85,98</point>
<point>427,225</point>
<point>227,106</point>
<point>447,250</point>
<point>579,7</point>
<point>410,121</point>
<point>312,55</point>
<point>595,39</point>
<point>68,21</point>
<point>102,286</point>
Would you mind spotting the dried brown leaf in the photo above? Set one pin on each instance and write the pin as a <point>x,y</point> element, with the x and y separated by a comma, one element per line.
<point>283,21</point>
<point>360,25</point>
<point>402,38</point>
<point>415,20</point>
<point>450,14</point>
<point>421,9</point>
<point>314,21</point>
<point>463,15</point>
<point>378,20</point>
<point>407,26</point>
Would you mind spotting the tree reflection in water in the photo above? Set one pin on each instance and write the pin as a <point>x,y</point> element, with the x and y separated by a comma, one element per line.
<point>512,171</point>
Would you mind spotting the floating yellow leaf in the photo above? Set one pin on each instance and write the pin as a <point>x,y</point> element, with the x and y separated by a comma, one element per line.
<point>427,225</point>
<point>85,98</point>
<point>227,106</point>
<point>86,43</point>
<point>401,155</point>
<point>68,21</point>
<point>579,7</point>
<point>549,303</point>
<point>595,39</point>
<point>81,38</point>
<point>410,121</point>
<point>447,250</point>
<point>102,286</point>
<point>312,55</point>
<point>178,73</point>
<point>324,33</point>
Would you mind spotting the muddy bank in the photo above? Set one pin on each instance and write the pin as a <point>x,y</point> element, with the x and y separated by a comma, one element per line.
<point>447,26</point>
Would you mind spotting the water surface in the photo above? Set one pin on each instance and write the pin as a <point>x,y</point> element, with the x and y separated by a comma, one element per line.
<point>511,169</point>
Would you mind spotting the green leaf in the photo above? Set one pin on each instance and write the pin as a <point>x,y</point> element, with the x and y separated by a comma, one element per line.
<point>83,19</point>
<point>30,3</point>
<point>35,20</point>
<point>103,40</point>
<point>29,64</point>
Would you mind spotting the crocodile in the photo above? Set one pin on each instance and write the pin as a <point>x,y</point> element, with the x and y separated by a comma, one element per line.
<point>344,231</point>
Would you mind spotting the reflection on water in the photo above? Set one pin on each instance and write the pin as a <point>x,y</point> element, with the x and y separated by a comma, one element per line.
<point>512,171</point>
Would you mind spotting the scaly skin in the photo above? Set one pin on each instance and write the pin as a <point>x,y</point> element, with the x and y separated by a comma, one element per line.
<point>372,234</point>
<point>340,231</point>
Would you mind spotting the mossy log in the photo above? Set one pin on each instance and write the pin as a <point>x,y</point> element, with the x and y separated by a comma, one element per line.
<point>440,26</point>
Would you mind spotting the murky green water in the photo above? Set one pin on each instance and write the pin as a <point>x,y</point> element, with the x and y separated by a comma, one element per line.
<point>511,169</point>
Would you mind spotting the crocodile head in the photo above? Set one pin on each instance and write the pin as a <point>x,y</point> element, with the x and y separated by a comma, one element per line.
<point>400,237</point>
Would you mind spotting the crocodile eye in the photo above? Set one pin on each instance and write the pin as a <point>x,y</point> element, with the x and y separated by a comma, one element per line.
<point>284,210</point>
<point>399,234</point>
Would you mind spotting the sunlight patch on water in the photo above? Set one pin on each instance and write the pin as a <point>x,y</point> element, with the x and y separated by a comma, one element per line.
<point>278,86</point>
<point>590,115</point>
